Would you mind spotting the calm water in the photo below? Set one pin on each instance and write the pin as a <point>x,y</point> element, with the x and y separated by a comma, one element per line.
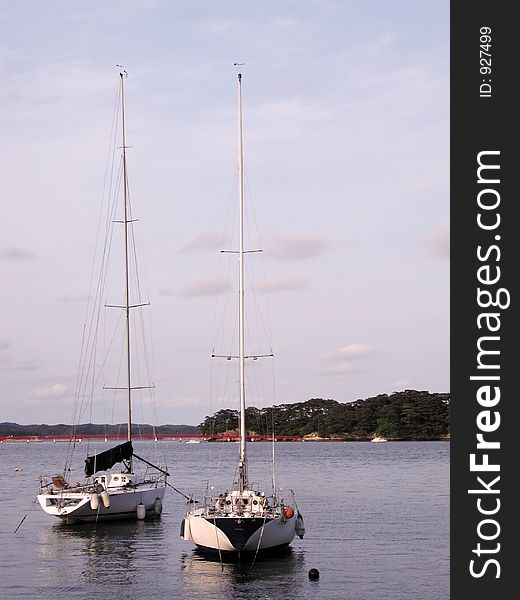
<point>376,515</point>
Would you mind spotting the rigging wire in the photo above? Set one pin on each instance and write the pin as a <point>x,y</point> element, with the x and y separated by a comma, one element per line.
<point>220,375</point>
<point>91,305</point>
<point>227,336</point>
<point>93,358</point>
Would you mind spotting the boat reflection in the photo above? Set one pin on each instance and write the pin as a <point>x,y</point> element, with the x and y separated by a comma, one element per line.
<point>101,555</point>
<point>205,577</point>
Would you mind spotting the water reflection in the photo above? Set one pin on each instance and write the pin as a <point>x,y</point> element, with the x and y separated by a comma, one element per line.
<point>104,555</point>
<point>205,577</point>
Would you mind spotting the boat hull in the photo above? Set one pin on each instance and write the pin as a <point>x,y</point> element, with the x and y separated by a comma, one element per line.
<point>73,507</point>
<point>232,534</point>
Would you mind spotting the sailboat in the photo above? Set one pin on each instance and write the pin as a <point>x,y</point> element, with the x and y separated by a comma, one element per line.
<point>242,520</point>
<point>111,489</point>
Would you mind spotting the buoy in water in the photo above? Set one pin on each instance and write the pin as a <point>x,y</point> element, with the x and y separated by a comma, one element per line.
<point>314,574</point>
<point>141,511</point>
<point>157,506</point>
<point>94,501</point>
<point>105,498</point>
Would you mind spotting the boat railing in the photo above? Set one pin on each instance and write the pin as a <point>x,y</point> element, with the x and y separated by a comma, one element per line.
<point>250,504</point>
<point>56,484</point>
<point>154,475</point>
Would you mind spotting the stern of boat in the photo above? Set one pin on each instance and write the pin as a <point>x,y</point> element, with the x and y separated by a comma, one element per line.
<point>241,522</point>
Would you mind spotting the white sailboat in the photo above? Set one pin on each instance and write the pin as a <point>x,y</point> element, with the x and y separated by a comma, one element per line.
<point>112,489</point>
<point>243,519</point>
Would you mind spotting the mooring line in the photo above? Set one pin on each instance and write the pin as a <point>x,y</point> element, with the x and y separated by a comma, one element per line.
<point>178,491</point>
<point>19,524</point>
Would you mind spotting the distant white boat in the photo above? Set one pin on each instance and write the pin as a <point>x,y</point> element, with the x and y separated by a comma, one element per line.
<point>193,441</point>
<point>378,438</point>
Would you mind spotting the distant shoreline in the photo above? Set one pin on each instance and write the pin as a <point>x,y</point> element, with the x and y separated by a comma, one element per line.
<point>409,415</point>
<point>186,438</point>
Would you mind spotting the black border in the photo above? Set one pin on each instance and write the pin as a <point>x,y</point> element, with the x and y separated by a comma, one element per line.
<point>478,124</point>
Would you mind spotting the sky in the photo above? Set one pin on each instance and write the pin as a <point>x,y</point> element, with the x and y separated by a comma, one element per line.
<point>346,150</point>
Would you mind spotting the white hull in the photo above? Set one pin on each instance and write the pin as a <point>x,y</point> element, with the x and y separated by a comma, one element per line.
<point>72,506</point>
<point>207,535</point>
<point>238,522</point>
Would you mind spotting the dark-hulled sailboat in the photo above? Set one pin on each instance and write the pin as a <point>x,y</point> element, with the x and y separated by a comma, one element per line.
<point>242,520</point>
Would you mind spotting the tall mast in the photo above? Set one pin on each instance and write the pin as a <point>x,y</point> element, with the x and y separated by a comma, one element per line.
<point>127,292</point>
<point>242,481</point>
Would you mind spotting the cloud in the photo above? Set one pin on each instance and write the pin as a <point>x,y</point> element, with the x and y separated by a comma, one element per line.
<point>438,240</point>
<point>345,355</point>
<point>54,391</point>
<point>206,287</point>
<point>12,253</point>
<point>204,241</point>
<point>296,246</point>
<point>283,284</point>
<point>342,369</point>
<point>352,352</point>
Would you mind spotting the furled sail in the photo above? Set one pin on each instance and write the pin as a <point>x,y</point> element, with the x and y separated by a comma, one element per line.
<point>106,460</point>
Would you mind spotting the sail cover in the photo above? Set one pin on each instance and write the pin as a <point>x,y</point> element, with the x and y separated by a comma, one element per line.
<point>106,460</point>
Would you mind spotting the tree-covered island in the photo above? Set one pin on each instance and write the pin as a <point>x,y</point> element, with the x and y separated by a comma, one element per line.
<point>406,415</point>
